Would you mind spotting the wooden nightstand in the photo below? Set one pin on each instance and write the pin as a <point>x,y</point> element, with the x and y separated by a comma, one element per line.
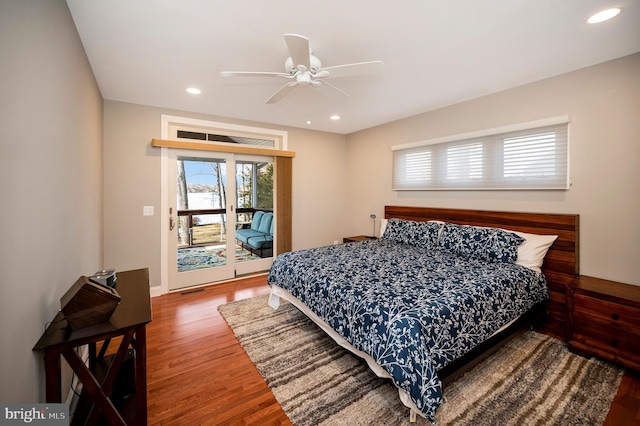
<point>357,238</point>
<point>604,320</point>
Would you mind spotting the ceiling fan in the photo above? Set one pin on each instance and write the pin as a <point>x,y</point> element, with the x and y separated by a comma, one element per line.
<point>302,68</point>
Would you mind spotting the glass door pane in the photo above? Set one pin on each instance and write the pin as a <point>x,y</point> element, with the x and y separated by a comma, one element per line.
<point>202,214</point>
<point>255,219</point>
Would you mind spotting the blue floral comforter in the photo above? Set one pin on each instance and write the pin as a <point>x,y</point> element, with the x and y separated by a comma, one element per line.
<point>411,309</point>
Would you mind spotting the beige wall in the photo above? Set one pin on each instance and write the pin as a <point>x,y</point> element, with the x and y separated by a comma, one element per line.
<point>50,181</point>
<point>132,180</point>
<point>604,104</point>
<point>52,168</point>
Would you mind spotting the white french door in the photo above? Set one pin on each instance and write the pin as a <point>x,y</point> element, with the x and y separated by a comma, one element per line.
<point>201,239</point>
<point>210,195</point>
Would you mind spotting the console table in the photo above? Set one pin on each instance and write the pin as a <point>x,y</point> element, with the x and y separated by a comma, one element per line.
<point>127,323</point>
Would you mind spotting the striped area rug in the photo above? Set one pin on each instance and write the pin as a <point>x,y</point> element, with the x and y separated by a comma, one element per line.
<point>533,380</point>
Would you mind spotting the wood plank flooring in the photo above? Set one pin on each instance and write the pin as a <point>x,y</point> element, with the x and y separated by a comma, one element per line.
<point>198,374</point>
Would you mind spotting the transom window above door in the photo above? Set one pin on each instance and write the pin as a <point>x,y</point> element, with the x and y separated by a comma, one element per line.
<point>213,137</point>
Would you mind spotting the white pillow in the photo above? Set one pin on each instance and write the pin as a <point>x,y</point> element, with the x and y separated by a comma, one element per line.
<point>531,253</point>
<point>383,226</point>
<point>439,230</point>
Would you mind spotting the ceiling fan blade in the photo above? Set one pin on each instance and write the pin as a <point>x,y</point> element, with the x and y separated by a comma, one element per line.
<point>348,70</point>
<point>334,87</point>
<point>281,93</point>
<point>299,50</point>
<point>253,74</point>
<point>321,74</point>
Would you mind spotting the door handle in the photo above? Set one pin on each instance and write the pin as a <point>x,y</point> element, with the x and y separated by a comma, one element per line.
<point>172,223</point>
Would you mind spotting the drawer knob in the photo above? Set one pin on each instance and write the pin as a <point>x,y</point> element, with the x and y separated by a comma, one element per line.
<point>615,317</point>
<point>614,343</point>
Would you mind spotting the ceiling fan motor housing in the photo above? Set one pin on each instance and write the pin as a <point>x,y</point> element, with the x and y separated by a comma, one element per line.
<point>313,61</point>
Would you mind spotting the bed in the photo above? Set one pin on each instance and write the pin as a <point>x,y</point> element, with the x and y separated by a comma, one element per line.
<point>433,290</point>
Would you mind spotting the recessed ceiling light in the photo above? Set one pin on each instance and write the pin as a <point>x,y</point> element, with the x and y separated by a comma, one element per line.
<point>335,117</point>
<point>308,121</point>
<point>603,16</point>
<point>193,91</point>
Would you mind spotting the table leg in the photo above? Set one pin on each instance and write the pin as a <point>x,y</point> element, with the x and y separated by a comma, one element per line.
<point>141,374</point>
<point>100,399</point>
<point>52,371</point>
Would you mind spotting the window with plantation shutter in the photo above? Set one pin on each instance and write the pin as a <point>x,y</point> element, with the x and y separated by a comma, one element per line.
<point>526,156</point>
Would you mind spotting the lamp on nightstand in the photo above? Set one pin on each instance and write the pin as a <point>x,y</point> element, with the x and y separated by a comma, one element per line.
<point>373,217</point>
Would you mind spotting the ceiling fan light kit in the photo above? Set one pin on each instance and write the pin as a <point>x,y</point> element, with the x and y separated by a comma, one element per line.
<point>304,69</point>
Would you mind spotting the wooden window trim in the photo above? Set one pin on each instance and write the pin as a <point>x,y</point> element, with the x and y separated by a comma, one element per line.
<point>231,148</point>
<point>283,183</point>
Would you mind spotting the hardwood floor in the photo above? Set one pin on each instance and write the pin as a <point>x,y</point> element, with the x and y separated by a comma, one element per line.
<point>198,374</point>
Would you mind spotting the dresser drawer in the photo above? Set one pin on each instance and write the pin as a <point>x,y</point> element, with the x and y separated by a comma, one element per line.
<point>602,336</point>
<point>604,320</point>
<point>612,314</point>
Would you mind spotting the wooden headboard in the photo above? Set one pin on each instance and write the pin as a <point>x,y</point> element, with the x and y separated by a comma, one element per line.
<point>560,264</point>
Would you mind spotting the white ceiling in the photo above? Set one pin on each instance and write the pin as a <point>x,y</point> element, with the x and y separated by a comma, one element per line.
<point>436,53</point>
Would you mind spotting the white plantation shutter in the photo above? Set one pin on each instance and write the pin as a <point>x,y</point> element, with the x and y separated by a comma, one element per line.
<point>515,157</point>
<point>464,162</point>
<point>412,168</point>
